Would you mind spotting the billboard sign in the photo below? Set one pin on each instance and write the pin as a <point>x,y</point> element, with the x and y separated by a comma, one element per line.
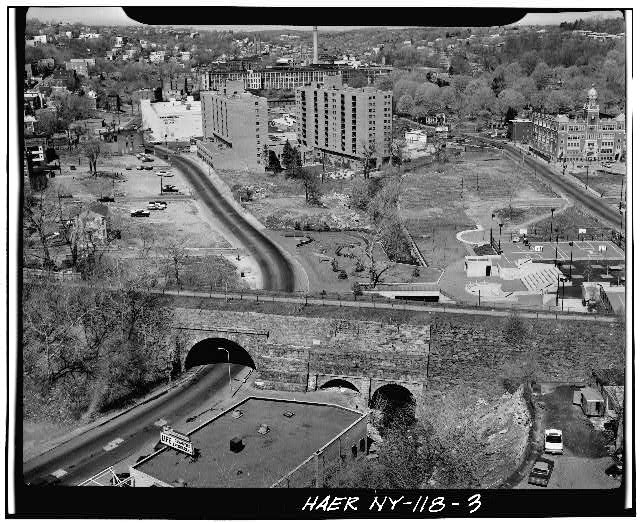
<point>176,440</point>
<point>582,231</point>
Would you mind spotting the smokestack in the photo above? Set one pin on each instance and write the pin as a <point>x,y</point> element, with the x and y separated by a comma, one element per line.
<point>315,44</point>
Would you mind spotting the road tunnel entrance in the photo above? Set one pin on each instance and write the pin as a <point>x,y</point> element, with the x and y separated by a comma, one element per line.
<point>218,350</point>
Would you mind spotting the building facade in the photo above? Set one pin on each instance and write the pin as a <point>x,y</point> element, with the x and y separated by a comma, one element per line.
<point>285,77</point>
<point>520,130</point>
<point>343,121</point>
<point>237,120</point>
<point>589,136</point>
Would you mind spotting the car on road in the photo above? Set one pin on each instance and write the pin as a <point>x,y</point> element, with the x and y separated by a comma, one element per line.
<point>140,213</point>
<point>615,470</point>
<point>169,188</point>
<point>541,472</point>
<point>157,206</point>
<point>553,441</point>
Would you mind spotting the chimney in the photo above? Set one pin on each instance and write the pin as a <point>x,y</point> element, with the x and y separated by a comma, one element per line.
<point>315,44</point>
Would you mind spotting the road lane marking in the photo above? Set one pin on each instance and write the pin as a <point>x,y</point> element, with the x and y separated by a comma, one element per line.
<point>160,423</point>
<point>112,444</point>
<point>59,473</point>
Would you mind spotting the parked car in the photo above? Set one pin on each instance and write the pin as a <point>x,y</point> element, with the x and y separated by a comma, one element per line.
<point>157,206</point>
<point>106,199</point>
<point>541,472</point>
<point>553,441</point>
<point>147,159</point>
<point>128,167</point>
<point>140,168</point>
<point>169,188</point>
<point>614,470</point>
<point>148,168</point>
<point>140,213</point>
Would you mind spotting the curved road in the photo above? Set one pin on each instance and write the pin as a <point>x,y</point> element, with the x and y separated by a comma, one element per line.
<point>102,446</point>
<point>277,271</point>
<point>85,455</point>
<point>596,207</point>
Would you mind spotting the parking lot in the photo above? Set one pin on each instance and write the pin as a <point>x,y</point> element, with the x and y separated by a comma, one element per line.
<point>582,250</point>
<point>585,458</point>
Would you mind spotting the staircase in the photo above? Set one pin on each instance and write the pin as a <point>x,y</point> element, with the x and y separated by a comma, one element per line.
<point>539,276</point>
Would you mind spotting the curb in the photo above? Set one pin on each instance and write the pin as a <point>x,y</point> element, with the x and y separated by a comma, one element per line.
<point>110,417</point>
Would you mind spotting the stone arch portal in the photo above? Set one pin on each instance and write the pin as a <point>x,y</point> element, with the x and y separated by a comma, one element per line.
<point>338,382</point>
<point>214,350</point>
<point>393,396</point>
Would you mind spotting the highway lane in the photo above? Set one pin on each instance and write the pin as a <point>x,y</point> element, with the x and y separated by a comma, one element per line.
<point>85,455</point>
<point>596,207</point>
<point>277,271</point>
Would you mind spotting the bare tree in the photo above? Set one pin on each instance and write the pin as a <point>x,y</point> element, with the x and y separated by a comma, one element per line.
<point>177,256</point>
<point>383,212</point>
<point>368,156</point>
<point>39,214</point>
<point>92,150</point>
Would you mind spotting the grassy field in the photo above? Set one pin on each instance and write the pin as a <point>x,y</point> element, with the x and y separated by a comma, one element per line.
<point>608,184</point>
<point>442,199</point>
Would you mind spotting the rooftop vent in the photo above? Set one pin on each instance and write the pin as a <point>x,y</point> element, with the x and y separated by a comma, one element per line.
<point>235,444</point>
<point>236,414</point>
<point>263,429</point>
<point>288,414</point>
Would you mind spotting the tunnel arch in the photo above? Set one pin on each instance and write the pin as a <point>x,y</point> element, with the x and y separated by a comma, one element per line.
<point>208,352</point>
<point>393,395</point>
<point>339,382</point>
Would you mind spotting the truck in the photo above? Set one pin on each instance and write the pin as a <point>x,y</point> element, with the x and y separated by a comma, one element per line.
<point>553,441</point>
<point>541,472</point>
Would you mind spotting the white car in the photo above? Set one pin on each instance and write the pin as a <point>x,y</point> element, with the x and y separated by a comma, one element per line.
<point>553,441</point>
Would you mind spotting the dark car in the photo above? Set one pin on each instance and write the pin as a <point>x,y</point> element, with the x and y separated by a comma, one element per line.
<point>147,159</point>
<point>140,213</point>
<point>615,470</point>
<point>169,188</point>
<point>541,472</point>
<point>107,199</point>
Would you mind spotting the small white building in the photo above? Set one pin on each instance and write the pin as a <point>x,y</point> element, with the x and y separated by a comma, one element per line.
<point>174,120</point>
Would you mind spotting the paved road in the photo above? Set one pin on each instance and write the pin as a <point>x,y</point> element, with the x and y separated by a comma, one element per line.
<point>277,271</point>
<point>595,206</point>
<point>85,455</point>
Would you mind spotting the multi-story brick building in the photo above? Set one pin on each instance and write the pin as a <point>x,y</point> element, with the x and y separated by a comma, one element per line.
<point>588,136</point>
<point>342,121</point>
<point>235,120</point>
<point>285,77</point>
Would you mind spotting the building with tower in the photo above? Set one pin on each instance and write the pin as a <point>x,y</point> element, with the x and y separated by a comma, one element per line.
<point>586,136</point>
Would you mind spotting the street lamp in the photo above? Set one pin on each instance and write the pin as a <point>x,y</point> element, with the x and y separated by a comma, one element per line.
<point>229,367</point>
<point>500,239</point>
<point>491,229</point>
<point>571,261</point>
<point>551,231</point>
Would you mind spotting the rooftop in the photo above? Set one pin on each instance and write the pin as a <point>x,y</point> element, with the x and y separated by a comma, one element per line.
<point>265,458</point>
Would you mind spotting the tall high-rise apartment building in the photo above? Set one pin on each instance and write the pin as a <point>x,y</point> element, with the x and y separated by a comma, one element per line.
<point>237,121</point>
<point>344,121</point>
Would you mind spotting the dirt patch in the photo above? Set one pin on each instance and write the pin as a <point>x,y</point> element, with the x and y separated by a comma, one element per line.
<point>580,437</point>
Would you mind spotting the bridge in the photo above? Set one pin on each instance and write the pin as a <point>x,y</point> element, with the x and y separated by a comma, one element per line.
<point>305,354</point>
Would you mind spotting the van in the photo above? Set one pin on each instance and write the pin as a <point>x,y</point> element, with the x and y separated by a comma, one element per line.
<point>553,441</point>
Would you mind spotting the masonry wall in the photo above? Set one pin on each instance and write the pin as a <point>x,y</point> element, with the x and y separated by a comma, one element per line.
<point>450,348</point>
<point>474,348</point>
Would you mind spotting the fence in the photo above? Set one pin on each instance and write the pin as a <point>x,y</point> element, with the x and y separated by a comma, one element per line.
<point>372,301</point>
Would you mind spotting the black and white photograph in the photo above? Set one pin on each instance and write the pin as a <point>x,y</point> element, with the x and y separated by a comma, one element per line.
<point>373,257</point>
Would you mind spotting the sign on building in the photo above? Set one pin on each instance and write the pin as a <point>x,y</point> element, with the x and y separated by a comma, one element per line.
<point>177,440</point>
<point>523,232</point>
<point>582,231</point>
